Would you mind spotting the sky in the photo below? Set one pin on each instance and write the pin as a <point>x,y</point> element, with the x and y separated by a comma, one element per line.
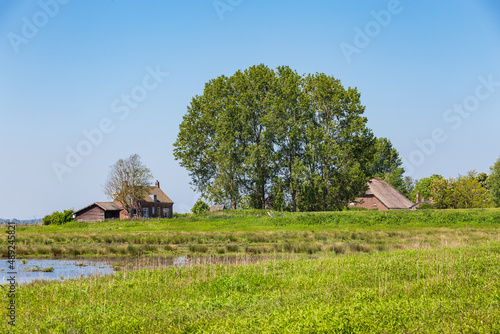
<point>85,83</point>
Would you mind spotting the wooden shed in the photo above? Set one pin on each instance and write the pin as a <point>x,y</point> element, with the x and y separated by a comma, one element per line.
<point>98,211</point>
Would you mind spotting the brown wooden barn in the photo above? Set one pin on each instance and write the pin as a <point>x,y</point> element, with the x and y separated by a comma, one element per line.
<point>156,204</point>
<point>98,212</point>
<point>382,196</point>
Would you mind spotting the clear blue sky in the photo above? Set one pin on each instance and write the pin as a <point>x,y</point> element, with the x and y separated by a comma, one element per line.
<point>66,66</point>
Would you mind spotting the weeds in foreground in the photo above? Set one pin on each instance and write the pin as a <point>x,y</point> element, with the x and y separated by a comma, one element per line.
<point>446,289</point>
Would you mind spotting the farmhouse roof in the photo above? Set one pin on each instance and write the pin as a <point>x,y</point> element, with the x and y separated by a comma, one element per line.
<point>390,197</point>
<point>160,195</point>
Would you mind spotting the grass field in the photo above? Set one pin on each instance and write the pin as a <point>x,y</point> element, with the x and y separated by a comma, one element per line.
<point>257,233</point>
<point>346,272</point>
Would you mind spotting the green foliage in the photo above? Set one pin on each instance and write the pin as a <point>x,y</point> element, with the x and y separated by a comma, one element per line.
<point>409,185</point>
<point>423,187</point>
<point>493,183</point>
<point>274,139</point>
<point>236,229</point>
<point>59,218</point>
<point>426,206</point>
<point>387,165</point>
<point>200,207</point>
<point>465,192</point>
<point>483,179</point>
<point>433,290</point>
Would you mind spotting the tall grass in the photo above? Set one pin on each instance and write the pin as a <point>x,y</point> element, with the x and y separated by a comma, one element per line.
<point>239,231</point>
<point>451,290</point>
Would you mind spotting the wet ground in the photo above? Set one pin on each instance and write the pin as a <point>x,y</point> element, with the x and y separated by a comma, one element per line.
<point>55,269</point>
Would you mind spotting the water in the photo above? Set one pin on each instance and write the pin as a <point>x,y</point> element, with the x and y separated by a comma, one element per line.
<point>63,269</point>
<point>66,269</point>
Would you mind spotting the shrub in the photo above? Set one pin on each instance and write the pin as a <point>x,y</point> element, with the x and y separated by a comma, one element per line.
<point>200,207</point>
<point>426,206</point>
<point>58,218</point>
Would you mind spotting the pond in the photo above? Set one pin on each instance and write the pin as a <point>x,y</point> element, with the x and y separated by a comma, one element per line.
<point>55,269</point>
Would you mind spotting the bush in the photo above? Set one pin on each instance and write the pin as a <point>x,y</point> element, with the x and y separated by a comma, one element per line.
<point>425,206</point>
<point>59,218</point>
<point>200,207</point>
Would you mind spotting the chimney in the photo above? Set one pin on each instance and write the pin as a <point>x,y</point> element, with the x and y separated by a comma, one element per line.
<point>157,184</point>
<point>418,198</point>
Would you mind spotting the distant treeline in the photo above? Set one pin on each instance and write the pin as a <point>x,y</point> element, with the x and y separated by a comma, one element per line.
<point>26,221</point>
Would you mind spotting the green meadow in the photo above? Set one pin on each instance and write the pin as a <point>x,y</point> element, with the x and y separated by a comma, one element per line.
<point>341,272</point>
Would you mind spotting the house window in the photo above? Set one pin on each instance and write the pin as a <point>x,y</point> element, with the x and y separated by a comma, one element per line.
<point>153,211</point>
<point>145,212</point>
<point>374,204</point>
<point>134,212</point>
<point>166,213</point>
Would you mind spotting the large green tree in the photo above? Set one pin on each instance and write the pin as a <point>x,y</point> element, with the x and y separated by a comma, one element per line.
<point>337,148</point>
<point>291,117</point>
<point>493,183</point>
<point>276,139</point>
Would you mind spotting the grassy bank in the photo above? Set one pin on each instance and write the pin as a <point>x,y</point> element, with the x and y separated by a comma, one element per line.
<point>255,232</point>
<point>450,289</point>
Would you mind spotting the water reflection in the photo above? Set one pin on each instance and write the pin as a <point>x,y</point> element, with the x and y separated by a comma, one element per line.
<point>62,269</point>
<point>32,269</point>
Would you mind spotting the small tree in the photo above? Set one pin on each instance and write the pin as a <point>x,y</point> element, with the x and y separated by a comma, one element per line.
<point>127,182</point>
<point>469,193</point>
<point>493,183</point>
<point>58,218</point>
<point>423,187</point>
<point>200,207</point>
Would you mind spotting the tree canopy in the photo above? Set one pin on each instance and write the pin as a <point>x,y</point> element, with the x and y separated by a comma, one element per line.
<point>127,182</point>
<point>493,183</point>
<point>200,207</point>
<point>387,165</point>
<point>276,139</point>
<point>423,187</point>
<point>464,192</point>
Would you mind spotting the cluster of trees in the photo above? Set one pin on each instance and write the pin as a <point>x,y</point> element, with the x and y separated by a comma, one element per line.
<point>474,190</point>
<point>58,218</point>
<point>273,138</point>
<point>265,138</point>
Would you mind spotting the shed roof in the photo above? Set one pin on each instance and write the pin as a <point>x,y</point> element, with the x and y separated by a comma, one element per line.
<point>390,197</point>
<point>106,206</point>
<point>217,207</point>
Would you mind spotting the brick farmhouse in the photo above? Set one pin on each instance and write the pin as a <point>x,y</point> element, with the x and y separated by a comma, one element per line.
<point>156,204</point>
